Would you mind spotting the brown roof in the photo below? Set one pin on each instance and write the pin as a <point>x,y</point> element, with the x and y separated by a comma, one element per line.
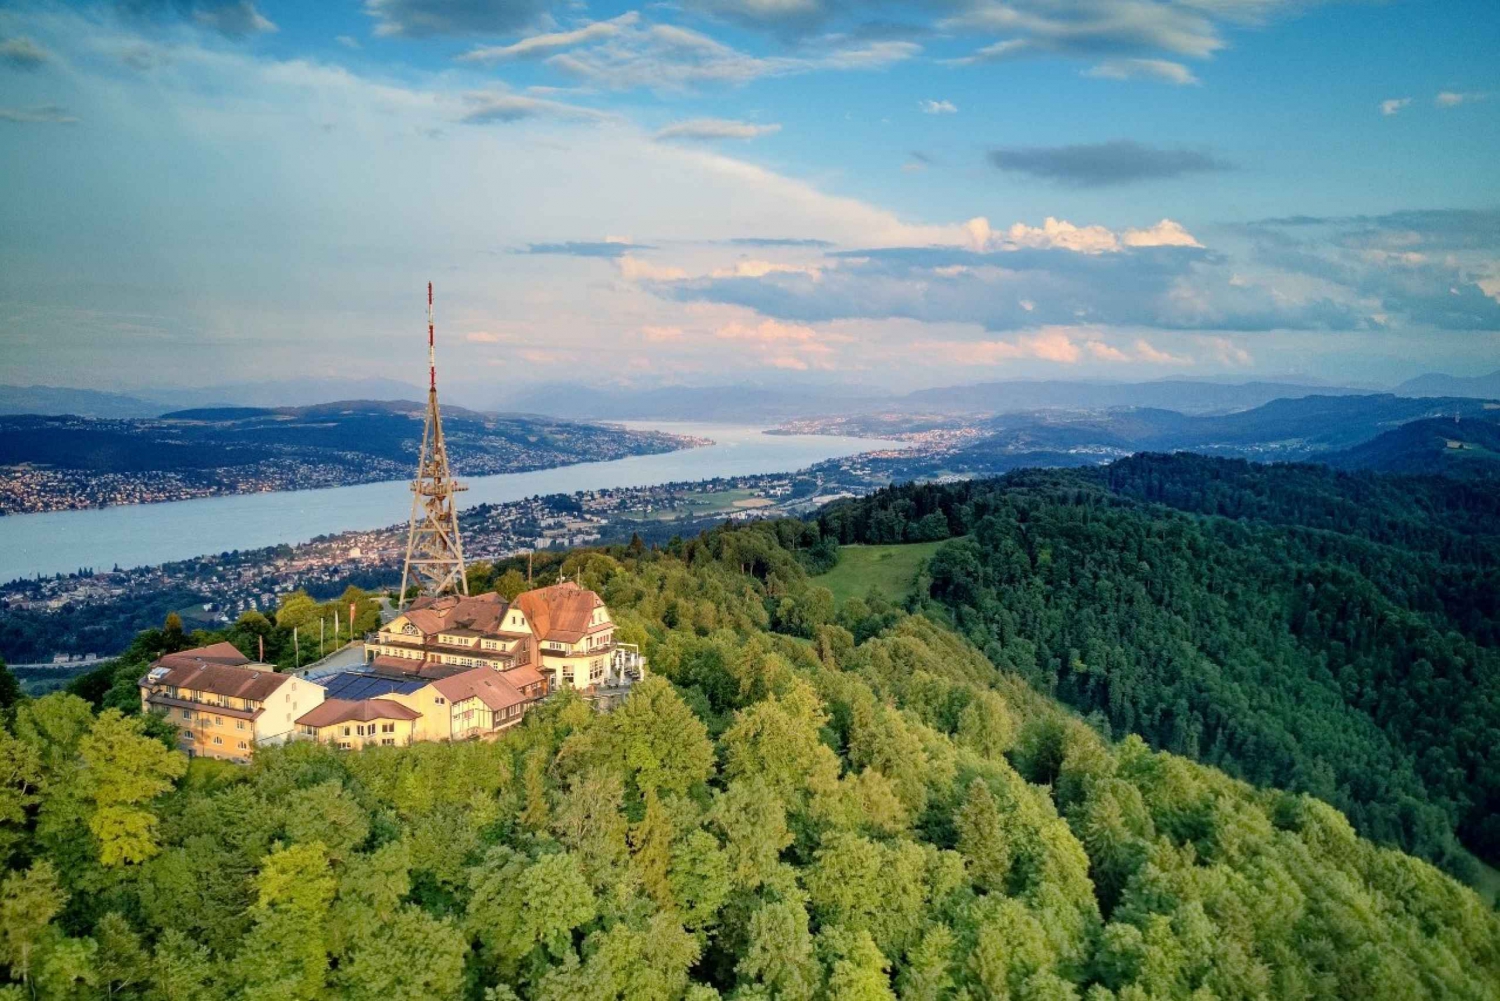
<point>332,711</point>
<point>523,677</point>
<point>448,612</point>
<point>218,679</point>
<point>560,612</point>
<point>405,668</point>
<point>486,684</point>
<point>219,653</point>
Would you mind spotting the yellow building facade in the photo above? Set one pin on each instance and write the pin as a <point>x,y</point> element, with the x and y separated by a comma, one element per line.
<point>223,704</point>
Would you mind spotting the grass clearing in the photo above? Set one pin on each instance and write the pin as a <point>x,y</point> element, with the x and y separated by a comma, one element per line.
<point>891,570</point>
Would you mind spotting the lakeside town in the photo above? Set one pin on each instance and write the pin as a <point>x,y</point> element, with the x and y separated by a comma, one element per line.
<point>51,624</point>
<point>63,463</point>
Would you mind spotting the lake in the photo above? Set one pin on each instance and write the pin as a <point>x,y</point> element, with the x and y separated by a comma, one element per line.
<point>147,534</point>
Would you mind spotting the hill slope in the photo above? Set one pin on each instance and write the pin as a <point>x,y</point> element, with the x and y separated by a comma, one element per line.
<point>1438,446</point>
<point>835,810</point>
<point>1333,634</point>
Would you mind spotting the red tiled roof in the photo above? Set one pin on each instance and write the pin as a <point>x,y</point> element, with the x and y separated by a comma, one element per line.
<point>486,684</point>
<point>561,612</point>
<point>332,711</point>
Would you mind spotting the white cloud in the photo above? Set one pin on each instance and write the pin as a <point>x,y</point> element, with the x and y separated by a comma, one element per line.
<point>708,129</point>
<point>347,41</point>
<point>1452,98</point>
<point>667,58</point>
<point>759,269</point>
<point>661,335</point>
<point>537,46</point>
<point>784,345</point>
<point>1105,352</point>
<point>22,53</point>
<point>1146,352</point>
<point>1161,70</point>
<point>1227,352</point>
<point>1048,345</point>
<point>635,269</point>
<point>937,107</point>
<point>425,18</point>
<point>1164,234</point>
<point>1393,105</point>
<point>491,106</point>
<point>235,19</point>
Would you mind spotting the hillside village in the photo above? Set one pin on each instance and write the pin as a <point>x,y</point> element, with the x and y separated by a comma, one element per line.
<point>447,668</point>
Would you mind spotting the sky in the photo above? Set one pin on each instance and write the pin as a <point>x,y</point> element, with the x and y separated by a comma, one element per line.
<point>788,193</point>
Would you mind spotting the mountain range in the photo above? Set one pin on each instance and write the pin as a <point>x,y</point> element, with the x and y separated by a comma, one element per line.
<point>736,403</point>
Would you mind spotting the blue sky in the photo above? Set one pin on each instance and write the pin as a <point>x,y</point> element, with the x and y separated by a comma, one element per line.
<point>892,194</point>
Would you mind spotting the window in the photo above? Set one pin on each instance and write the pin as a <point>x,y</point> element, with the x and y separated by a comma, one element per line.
<point>346,733</point>
<point>187,714</point>
<point>437,700</point>
<point>387,728</point>
<point>239,724</point>
<point>242,745</point>
<point>388,742</point>
<point>218,740</point>
<point>218,721</point>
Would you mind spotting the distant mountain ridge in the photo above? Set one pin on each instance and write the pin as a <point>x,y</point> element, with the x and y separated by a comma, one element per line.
<point>54,400</point>
<point>1436,384</point>
<point>1182,396</point>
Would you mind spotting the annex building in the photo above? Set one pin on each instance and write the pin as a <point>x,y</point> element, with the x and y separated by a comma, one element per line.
<point>223,704</point>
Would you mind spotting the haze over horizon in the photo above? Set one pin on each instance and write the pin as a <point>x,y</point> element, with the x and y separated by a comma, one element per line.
<point>805,193</point>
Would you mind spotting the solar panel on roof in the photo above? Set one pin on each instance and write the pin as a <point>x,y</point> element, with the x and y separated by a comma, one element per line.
<point>354,686</point>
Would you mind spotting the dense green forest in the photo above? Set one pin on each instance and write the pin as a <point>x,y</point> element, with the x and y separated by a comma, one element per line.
<point>1323,632</point>
<point>804,803</point>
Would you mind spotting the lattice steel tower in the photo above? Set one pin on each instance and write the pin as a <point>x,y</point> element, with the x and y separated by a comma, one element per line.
<point>434,553</point>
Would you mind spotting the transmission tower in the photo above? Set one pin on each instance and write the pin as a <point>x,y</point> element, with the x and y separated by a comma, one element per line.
<point>434,553</point>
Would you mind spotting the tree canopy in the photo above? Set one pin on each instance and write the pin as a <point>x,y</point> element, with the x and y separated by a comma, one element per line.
<point>876,811</point>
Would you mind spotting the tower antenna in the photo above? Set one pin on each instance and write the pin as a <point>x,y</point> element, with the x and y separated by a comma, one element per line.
<point>434,552</point>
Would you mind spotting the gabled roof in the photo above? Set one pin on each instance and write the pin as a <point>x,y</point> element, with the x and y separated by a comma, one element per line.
<point>331,711</point>
<point>523,677</point>
<point>446,613</point>
<point>224,653</point>
<point>561,612</point>
<point>210,669</point>
<point>486,684</point>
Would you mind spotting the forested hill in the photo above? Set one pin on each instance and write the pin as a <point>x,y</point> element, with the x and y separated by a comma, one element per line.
<point>1323,632</point>
<point>1469,449</point>
<point>805,804</point>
